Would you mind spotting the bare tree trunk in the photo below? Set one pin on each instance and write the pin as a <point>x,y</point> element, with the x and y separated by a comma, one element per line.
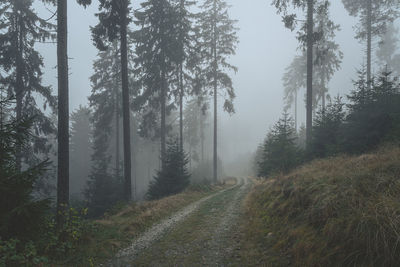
<point>117,160</point>
<point>215,159</point>
<point>134,149</point>
<point>295,109</point>
<point>310,30</point>
<point>19,90</point>
<point>369,41</point>
<point>163,97</point>
<point>181,107</point>
<point>323,93</point>
<point>63,114</point>
<point>125,104</point>
<point>181,92</point>
<point>163,118</point>
<point>202,137</point>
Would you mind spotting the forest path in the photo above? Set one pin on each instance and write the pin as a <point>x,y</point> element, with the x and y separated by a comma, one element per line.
<point>205,233</point>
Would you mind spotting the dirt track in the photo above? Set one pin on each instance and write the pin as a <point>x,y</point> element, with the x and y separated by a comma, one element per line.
<point>202,234</point>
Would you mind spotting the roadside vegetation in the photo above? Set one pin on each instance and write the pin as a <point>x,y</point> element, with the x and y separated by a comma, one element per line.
<point>334,200</point>
<point>340,211</point>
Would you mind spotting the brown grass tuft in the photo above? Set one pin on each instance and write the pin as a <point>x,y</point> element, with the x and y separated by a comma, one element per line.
<point>337,212</point>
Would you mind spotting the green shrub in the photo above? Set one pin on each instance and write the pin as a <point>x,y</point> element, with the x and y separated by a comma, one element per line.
<point>16,253</point>
<point>173,178</point>
<point>280,152</point>
<point>63,243</point>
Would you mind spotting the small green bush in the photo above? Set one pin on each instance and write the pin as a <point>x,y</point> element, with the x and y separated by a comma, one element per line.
<point>62,243</point>
<point>15,253</point>
<point>173,178</point>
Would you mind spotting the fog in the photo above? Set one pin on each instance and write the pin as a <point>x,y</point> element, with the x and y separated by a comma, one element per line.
<point>265,49</point>
<point>209,132</point>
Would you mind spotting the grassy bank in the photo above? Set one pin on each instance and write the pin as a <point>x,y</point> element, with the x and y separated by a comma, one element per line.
<point>115,231</point>
<point>342,211</point>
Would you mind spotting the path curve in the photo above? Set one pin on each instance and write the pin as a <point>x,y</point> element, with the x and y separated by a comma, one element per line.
<point>145,240</point>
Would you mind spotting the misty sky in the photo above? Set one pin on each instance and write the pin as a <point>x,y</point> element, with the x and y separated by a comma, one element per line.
<point>265,49</point>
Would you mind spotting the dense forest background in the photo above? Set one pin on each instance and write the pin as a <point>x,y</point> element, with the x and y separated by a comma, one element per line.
<point>137,101</point>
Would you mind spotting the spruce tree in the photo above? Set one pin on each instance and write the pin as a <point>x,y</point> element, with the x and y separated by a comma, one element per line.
<point>158,51</point>
<point>80,150</point>
<point>327,60</point>
<point>192,128</point>
<point>22,216</point>
<point>113,24</point>
<point>21,29</point>
<point>174,177</point>
<point>185,50</point>
<point>294,79</point>
<point>373,114</point>
<point>104,186</point>
<point>328,56</point>
<point>290,21</point>
<point>327,127</point>
<point>280,153</point>
<point>63,113</point>
<point>374,15</point>
<point>388,49</point>
<point>218,37</point>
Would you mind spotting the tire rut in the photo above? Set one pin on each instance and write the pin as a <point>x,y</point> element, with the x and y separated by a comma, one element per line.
<point>157,231</point>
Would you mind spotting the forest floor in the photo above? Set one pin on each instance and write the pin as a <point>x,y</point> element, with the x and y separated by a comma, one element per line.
<point>204,233</point>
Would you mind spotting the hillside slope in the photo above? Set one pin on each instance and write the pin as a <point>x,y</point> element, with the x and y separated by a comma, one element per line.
<point>342,211</point>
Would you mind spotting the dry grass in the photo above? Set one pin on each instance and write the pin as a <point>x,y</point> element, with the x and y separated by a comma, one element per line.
<point>342,211</point>
<point>116,231</point>
<point>136,217</point>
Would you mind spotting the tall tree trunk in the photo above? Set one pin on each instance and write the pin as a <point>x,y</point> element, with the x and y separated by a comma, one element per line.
<point>134,150</point>
<point>215,158</point>
<point>163,95</point>
<point>163,117</point>
<point>310,30</point>
<point>202,137</point>
<point>295,109</point>
<point>369,41</point>
<point>19,90</point>
<point>181,107</point>
<point>117,160</point>
<point>125,104</point>
<point>215,84</point>
<point>181,92</point>
<point>63,114</point>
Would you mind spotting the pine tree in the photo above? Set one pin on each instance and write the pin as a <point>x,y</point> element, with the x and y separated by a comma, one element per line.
<point>185,41</point>
<point>113,23</point>
<point>280,153</point>
<point>174,177</point>
<point>388,53</point>
<point>81,149</point>
<point>104,187</point>
<point>327,60</point>
<point>218,40</point>
<point>158,52</point>
<point>290,21</point>
<point>328,56</point>
<point>294,79</point>
<point>374,15</point>
<point>192,128</point>
<point>327,125</point>
<point>22,216</point>
<point>63,113</point>
<point>373,113</point>
<point>20,29</point>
